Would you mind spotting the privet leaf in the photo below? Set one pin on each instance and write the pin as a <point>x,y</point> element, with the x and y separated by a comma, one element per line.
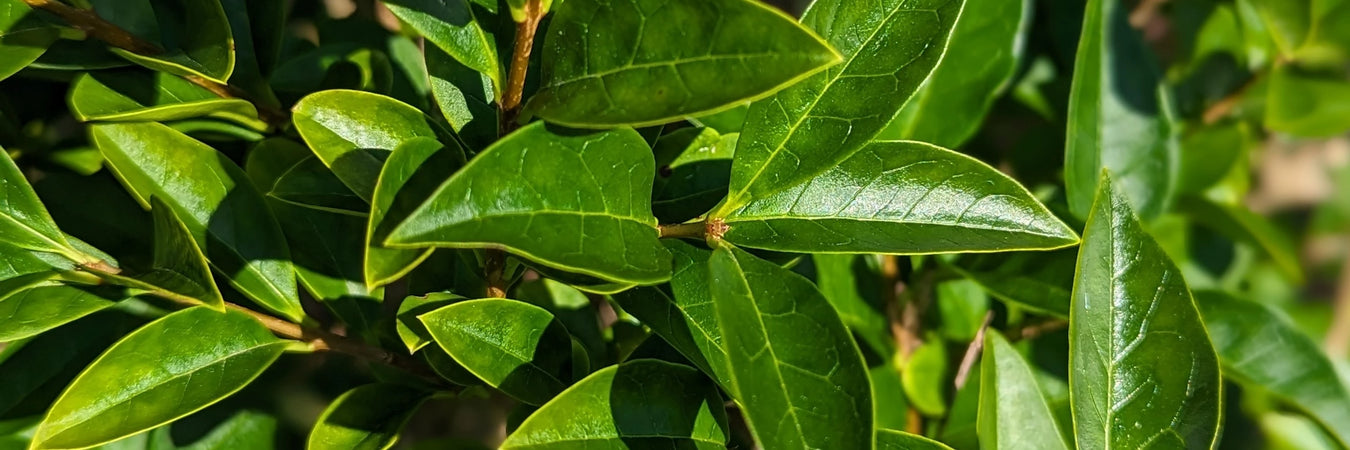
<point>451,26</point>
<point>642,403</point>
<point>33,309</point>
<point>1141,369</point>
<point>902,198</point>
<point>899,440</point>
<point>33,371</point>
<point>466,98</point>
<point>134,95</point>
<point>649,62</point>
<point>804,130</point>
<point>310,184</point>
<point>514,346</point>
<point>166,370</point>
<point>800,379</point>
<point>369,417</point>
<point>354,131</point>
<point>410,329</point>
<point>179,268</point>
<point>411,174</point>
<point>1039,281</point>
<point>1260,347</point>
<point>24,222</point>
<point>202,44</point>
<point>1013,412</point>
<point>1116,120</point>
<point>23,37</point>
<point>225,214</point>
<point>569,200</point>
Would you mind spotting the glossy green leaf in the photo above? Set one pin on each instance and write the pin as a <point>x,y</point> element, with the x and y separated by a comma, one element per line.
<point>466,98</point>
<point>327,250</point>
<point>369,417</point>
<point>902,198</point>
<point>575,310</point>
<point>850,283</point>
<point>226,215</point>
<point>34,371</point>
<point>34,309</point>
<point>353,132</point>
<point>1141,369</point>
<point>649,62</point>
<point>514,346</point>
<point>1261,347</point>
<point>684,316</point>
<point>179,268</point>
<point>199,37</point>
<point>725,122</point>
<point>24,222</point>
<point>256,27</point>
<point>452,26</point>
<point>310,184</point>
<point>1116,116</point>
<point>1240,223</point>
<point>899,440</point>
<point>1013,412</point>
<point>246,429</point>
<point>23,37</point>
<point>574,201</point>
<point>1307,105</point>
<point>134,95</point>
<point>800,378</point>
<point>795,135</point>
<point>693,169</point>
<point>982,55</point>
<point>638,404</point>
<point>410,329</point>
<point>19,262</point>
<point>962,306</point>
<point>412,173</point>
<point>1039,281</point>
<point>166,370</point>
<point>924,377</point>
<point>1210,153</point>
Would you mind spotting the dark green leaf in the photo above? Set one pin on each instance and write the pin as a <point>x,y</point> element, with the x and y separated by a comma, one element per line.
<point>412,173</point>
<point>649,62</point>
<point>466,98</point>
<point>309,184</point>
<point>24,222</point>
<point>982,55</point>
<point>693,168</point>
<point>1040,281</point>
<point>514,346</point>
<point>327,248</point>
<point>23,37</point>
<point>161,372</point>
<point>369,417</point>
<point>1116,116</point>
<point>226,215</point>
<point>34,371</point>
<point>451,26</point>
<point>410,329</point>
<point>901,198</point>
<point>252,24</point>
<point>899,440</point>
<point>1307,105</point>
<point>637,404</point>
<point>33,309</point>
<point>569,200</point>
<point>246,429</point>
<point>199,38</point>
<point>1239,223</point>
<point>1260,347</point>
<point>134,95</point>
<point>179,268</point>
<point>1142,371</point>
<point>802,131</point>
<point>353,132</point>
<point>850,283</point>
<point>1013,412</point>
<point>800,377</point>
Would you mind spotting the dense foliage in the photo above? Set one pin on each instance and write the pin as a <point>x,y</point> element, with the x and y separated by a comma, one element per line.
<point>994,224</point>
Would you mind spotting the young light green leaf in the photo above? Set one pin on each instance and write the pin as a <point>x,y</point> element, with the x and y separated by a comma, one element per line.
<point>354,131</point>
<point>514,346</point>
<point>451,26</point>
<point>800,379</point>
<point>179,268</point>
<point>649,62</point>
<point>23,37</point>
<point>166,370</point>
<point>1141,369</point>
<point>642,403</point>
<point>1260,347</point>
<point>37,308</point>
<point>899,440</point>
<point>573,201</point>
<point>901,198</point>
<point>412,173</point>
<point>466,98</point>
<point>982,56</point>
<point>924,377</point>
<point>793,136</point>
<point>369,417</point>
<point>24,222</point>
<point>1013,412</point>
<point>226,215</point>
<point>134,95</point>
<point>1306,105</point>
<point>1116,116</point>
<point>199,43</point>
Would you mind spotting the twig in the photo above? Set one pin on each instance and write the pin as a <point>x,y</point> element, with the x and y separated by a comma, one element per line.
<point>904,319</point>
<point>684,230</point>
<point>1338,336</point>
<point>1221,108</point>
<point>520,64</point>
<point>1037,329</point>
<point>972,352</point>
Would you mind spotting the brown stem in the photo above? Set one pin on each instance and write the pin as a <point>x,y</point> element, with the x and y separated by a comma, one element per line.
<point>1338,336</point>
<point>904,319</point>
<point>1038,329</point>
<point>684,230</point>
<point>494,268</point>
<point>520,64</point>
<point>1222,107</point>
<point>972,352</point>
<point>113,35</point>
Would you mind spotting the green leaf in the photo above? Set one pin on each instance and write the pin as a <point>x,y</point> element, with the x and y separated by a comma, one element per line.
<point>452,27</point>
<point>574,201</point>
<point>309,184</point>
<point>649,62</point>
<point>327,248</point>
<point>225,214</point>
<point>982,55</point>
<point>924,377</point>
<point>410,329</point>
<point>466,98</point>
<point>684,315</point>
<point>24,222</point>
<point>899,440</point>
<point>1306,105</point>
<point>34,371</point>
<point>693,169</point>
<point>20,262</point>
<point>1141,368</point>
<point>1039,281</point>
<point>1116,116</point>
<point>38,308</point>
<point>800,378</point>
<point>1261,347</point>
<point>793,136</point>
<point>134,95</point>
<point>901,198</point>
<point>1288,22</point>
<point>638,404</point>
<point>245,429</point>
<point>1013,412</point>
<point>1240,223</point>
<point>179,268</point>
<point>256,26</point>
<point>23,37</point>
<point>412,173</point>
<point>353,132</point>
<point>1208,154</point>
<point>369,417</point>
<point>198,36</point>
<point>514,346</point>
<point>166,370</point>
<point>850,283</point>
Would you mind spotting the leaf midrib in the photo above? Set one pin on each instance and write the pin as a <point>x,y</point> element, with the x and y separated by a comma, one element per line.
<point>734,218</point>
<point>671,62</point>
